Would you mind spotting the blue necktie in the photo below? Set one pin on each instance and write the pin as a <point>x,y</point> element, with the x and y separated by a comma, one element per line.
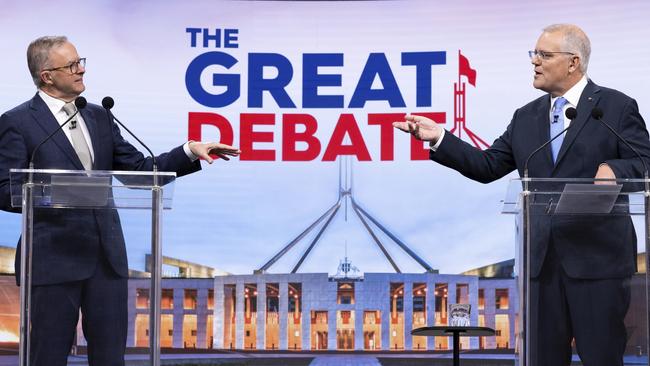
<point>557,125</point>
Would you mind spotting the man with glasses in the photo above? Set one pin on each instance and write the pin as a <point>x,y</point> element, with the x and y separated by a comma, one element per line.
<point>580,267</point>
<point>79,256</point>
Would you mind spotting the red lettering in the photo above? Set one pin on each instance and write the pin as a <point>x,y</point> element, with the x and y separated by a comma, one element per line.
<point>346,125</point>
<point>196,120</point>
<point>247,136</point>
<point>386,132</point>
<point>290,137</point>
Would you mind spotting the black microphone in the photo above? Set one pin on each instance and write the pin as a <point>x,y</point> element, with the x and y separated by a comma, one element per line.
<point>80,103</point>
<point>571,114</point>
<point>597,114</point>
<point>108,103</point>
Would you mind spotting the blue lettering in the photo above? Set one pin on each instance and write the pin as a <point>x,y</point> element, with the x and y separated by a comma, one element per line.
<point>423,62</point>
<point>230,81</point>
<point>257,84</point>
<point>377,65</point>
<point>193,32</point>
<point>230,38</point>
<point>311,80</point>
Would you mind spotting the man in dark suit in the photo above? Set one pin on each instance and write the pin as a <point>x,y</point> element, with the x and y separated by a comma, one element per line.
<point>79,255</point>
<point>580,267</point>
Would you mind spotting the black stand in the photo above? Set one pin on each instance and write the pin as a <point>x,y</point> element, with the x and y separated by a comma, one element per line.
<point>456,332</point>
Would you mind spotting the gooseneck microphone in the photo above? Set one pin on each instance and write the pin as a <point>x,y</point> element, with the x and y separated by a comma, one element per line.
<point>108,103</point>
<point>80,103</point>
<point>571,114</point>
<point>597,114</point>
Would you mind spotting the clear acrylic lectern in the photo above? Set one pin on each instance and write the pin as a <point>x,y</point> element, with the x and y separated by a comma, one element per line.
<point>540,203</point>
<point>35,191</point>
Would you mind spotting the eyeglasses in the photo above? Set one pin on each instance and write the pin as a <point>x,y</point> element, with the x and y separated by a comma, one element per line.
<point>546,55</point>
<point>72,67</point>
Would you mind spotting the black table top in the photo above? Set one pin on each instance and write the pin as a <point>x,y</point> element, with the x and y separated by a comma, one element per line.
<point>445,330</point>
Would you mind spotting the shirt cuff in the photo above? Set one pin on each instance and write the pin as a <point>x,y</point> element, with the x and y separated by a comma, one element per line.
<point>188,152</point>
<point>435,145</point>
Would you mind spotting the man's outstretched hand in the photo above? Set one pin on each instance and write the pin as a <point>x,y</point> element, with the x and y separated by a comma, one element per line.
<point>420,127</point>
<point>204,149</point>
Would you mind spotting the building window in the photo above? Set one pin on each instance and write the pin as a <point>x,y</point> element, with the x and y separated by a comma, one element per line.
<point>345,293</point>
<point>142,298</point>
<point>167,299</point>
<point>189,301</point>
<point>481,299</point>
<point>211,299</point>
<point>501,298</point>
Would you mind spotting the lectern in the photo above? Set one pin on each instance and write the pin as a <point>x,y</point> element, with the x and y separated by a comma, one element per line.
<point>540,203</point>
<point>35,191</point>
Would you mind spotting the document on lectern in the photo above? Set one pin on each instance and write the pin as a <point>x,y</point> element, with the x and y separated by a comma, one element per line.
<point>588,198</point>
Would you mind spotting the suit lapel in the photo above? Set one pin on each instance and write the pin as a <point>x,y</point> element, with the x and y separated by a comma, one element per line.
<point>544,128</point>
<point>45,119</point>
<point>588,100</point>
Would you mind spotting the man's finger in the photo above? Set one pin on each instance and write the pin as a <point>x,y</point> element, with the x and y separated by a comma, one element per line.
<point>401,126</point>
<point>223,156</point>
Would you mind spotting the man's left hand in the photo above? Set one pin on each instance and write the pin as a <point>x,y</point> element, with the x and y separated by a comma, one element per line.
<point>205,149</point>
<point>605,172</point>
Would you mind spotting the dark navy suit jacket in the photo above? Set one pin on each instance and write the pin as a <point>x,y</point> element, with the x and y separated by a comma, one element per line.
<point>67,242</point>
<point>589,247</point>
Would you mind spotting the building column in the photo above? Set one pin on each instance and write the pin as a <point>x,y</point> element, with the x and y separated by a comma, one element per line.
<point>451,299</point>
<point>261,314</point>
<point>489,314</point>
<point>331,330</point>
<point>218,318</point>
<point>359,307</point>
<point>202,318</point>
<point>473,318</point>
<point>385,318</point>
<point>239,315</point>
<point>305,325</point>
<point>431,310</point>
<point>408,315</point>
<point>283,315</point>
<point>177,338</point>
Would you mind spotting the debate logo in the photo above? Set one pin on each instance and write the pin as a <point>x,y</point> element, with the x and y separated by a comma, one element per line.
<point>460,97</point>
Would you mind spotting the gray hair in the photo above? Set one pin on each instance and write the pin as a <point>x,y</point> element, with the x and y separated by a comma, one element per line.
<point>575,40</point>
<point>38,54</point>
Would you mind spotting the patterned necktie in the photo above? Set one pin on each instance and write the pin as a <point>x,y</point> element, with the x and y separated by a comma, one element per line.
<point>78,140</point>
<point>557,125</point>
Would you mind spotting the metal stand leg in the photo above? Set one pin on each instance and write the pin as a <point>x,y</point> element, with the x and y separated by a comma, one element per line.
<point>156,266</point>
<point>26,274</point>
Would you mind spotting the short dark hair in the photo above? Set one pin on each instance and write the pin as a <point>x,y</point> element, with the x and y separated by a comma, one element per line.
<point>38,54</point>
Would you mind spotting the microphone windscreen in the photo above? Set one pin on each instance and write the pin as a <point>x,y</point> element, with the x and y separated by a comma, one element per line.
<point>597,113</point>
<point>80,102</point>
<point>571,113</point>
<point>108,102</point>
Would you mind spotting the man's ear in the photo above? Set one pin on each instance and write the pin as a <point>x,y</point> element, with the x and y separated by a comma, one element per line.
<point>574,64</point>
<point>46,77</point>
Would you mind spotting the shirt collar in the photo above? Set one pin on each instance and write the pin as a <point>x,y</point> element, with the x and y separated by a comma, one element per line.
<point>53,104</point>
<point>573,95</point>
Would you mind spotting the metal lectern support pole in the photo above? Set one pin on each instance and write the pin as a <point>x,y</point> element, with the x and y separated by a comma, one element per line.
<point>647,264</point>
<point>26,272</point>
<point>524,282</point>
<point>156,266</point>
